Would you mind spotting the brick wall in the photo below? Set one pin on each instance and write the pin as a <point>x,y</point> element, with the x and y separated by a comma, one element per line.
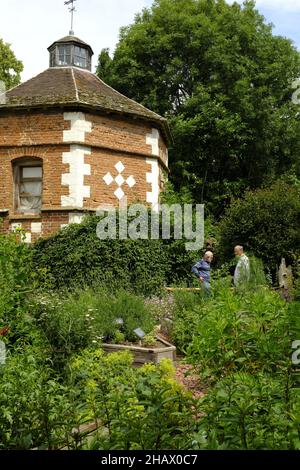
<point>88,161</point>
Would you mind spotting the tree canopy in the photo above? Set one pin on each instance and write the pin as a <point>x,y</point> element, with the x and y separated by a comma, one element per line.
<point>224,81</point>
<point>10,66</point>
<point>266,222</point>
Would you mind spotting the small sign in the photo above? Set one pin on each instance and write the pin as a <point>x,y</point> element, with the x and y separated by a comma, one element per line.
<point>139,332</point>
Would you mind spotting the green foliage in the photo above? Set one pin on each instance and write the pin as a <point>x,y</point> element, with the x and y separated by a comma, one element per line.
<point>76,256</point>
<point>132,408</point>
<point>188,309</point>
<point>15,273</point>
<point>17,280</point>
<point>297,281</point>
<point>266,222</point>
<point>224,81</point>
<point>234,331</point>
<point>140,408</point>
<point>73,322</point>
<point>251,412</point>
<point>33,406</point>
<point>187,312</point>
<point>240,343</point>
<point>10,67</point>
<point>133,311</point>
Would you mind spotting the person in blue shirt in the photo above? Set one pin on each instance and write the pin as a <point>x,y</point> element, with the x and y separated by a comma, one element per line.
<point>202,271</point>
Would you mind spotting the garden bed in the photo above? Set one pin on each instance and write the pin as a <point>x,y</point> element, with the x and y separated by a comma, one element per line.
<point>142,354</point>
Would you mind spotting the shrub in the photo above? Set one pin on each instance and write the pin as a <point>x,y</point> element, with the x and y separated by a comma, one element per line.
<point>132,408</point>
<point>266,222</point>
<point>34,407</point>
<point>16,277</point>
<point>250,412</point>
<point>247,331</point>
<point>189,308</point>
<point>17,281</point>
<point>187,311</point>
<point>135,408</point>
<point>77,320</point>
<point>76,256</point>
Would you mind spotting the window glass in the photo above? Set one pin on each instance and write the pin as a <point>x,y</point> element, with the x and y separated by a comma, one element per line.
<point>32,172</point>
<point>64,55</point>
<point>80,57</point>
<point>28,188</point>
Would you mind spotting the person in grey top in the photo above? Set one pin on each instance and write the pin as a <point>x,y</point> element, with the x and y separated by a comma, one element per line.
<point>202,271</point>
<point>242,270</point>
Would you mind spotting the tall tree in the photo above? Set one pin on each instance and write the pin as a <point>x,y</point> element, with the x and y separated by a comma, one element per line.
<point>223,80</point>
<point>10,66</point>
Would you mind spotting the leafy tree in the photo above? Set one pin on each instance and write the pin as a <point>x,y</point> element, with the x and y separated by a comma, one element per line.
<point>10,66</point>
<point>267,222</point>
<point>223,80</point>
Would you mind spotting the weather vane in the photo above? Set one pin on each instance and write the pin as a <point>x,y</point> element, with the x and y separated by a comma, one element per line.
<point>71,10</point>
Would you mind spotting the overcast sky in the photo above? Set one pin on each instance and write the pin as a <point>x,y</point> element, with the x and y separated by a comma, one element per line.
<point>30,26</point>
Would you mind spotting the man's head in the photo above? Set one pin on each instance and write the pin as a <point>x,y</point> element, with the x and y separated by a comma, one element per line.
<point>208,256</point>
<point>238,250</point>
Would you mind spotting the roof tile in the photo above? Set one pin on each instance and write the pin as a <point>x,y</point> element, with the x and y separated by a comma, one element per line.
<point>71,85</point>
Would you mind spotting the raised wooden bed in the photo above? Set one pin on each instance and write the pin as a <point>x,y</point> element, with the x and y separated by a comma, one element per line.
<point>145,354</point>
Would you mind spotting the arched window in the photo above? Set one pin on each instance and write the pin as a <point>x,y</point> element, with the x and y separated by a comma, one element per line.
<point>28,185</point>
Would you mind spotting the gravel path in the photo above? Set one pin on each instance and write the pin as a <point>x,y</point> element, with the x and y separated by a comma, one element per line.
<point>190,380</point>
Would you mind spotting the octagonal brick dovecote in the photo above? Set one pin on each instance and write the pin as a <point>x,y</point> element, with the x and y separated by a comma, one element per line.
<point>94,145</point>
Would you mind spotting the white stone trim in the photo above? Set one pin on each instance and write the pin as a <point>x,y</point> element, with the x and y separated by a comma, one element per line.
<point>153,140</point>
<point>27,238</point>
<point>15,226</point>
<point>79,127</point>
<point>75,218</point>
<point>152,197</point>
<point>119,193</point>
<point>36,227</point>
<point>119,180</point>
<point>130,181</point>
<point>75,178</point>
<point>119,167</point>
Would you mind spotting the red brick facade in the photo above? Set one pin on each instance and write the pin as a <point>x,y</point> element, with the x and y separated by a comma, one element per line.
<point>82,153</point>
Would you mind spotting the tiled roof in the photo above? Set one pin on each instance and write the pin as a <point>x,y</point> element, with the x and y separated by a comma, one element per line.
<point>69,86</point>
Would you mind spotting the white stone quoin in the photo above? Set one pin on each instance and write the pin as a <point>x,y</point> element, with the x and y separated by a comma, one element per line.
<point>27,238</point>
<point>36,227</point>
<point>15,226</point>
<point>75,178</point>
<point>153,179</point>
<point>79,127</point>
<point>153,140</point>
<point>75,218</point>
